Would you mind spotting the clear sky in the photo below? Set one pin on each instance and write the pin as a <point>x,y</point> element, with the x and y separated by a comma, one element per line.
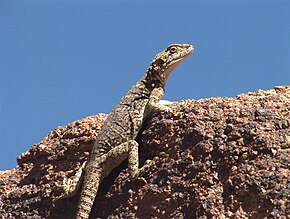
<point>61,61</point>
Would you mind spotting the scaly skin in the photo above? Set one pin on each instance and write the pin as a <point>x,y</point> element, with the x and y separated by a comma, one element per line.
<point>116,139</point>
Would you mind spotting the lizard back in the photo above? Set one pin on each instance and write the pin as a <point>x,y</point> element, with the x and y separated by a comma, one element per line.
<point>116,139</point>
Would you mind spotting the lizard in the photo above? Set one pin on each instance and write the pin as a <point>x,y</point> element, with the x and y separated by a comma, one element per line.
<point>116,139</point>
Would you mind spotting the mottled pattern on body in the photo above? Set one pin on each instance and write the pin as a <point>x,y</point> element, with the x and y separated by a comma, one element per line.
<point>116,140</point>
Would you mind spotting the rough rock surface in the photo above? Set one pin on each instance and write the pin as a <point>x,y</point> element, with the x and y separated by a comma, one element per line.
<point>216,157</point>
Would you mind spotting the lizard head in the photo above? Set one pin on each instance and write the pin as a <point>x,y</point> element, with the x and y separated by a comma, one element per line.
<point>165,62</point>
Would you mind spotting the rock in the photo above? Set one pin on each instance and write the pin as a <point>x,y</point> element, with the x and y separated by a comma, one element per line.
<point>216,157</point>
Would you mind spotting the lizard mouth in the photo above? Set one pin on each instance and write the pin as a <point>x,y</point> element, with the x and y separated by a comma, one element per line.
<point>184,54</point>
<point>177,60</point>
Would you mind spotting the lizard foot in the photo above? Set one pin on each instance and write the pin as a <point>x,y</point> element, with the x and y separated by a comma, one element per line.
<point>70,186</point>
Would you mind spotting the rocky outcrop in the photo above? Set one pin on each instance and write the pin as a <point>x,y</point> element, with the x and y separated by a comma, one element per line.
<point>216,157</point>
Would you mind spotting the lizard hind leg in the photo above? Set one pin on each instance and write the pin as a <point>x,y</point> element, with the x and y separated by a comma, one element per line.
<point>71,186</point>
<point>117,155</point>
<point>133,159</point>
<point>104,164</point>
<point>130,150</point>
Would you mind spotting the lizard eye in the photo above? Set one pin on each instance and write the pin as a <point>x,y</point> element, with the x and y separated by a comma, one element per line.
<point>173,49</point>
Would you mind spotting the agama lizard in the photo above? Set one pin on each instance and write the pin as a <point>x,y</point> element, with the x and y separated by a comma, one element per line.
<point>116,139</point>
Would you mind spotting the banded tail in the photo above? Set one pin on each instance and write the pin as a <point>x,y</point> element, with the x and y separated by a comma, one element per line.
<point>87,199</point>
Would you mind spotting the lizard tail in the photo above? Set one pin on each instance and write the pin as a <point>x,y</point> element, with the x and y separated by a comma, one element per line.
<point>88,194</point>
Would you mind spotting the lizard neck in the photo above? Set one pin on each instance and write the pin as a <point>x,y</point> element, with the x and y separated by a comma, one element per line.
<point>150,80</point>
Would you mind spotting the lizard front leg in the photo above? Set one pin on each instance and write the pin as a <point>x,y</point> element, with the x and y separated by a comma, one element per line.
<point>154,103</point>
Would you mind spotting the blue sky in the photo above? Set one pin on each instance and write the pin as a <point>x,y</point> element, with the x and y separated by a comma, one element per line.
<point>61,61</point>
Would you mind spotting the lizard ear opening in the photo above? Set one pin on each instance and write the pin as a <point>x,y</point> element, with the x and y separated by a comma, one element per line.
<point>158,65</point>
<point>159,62</point>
